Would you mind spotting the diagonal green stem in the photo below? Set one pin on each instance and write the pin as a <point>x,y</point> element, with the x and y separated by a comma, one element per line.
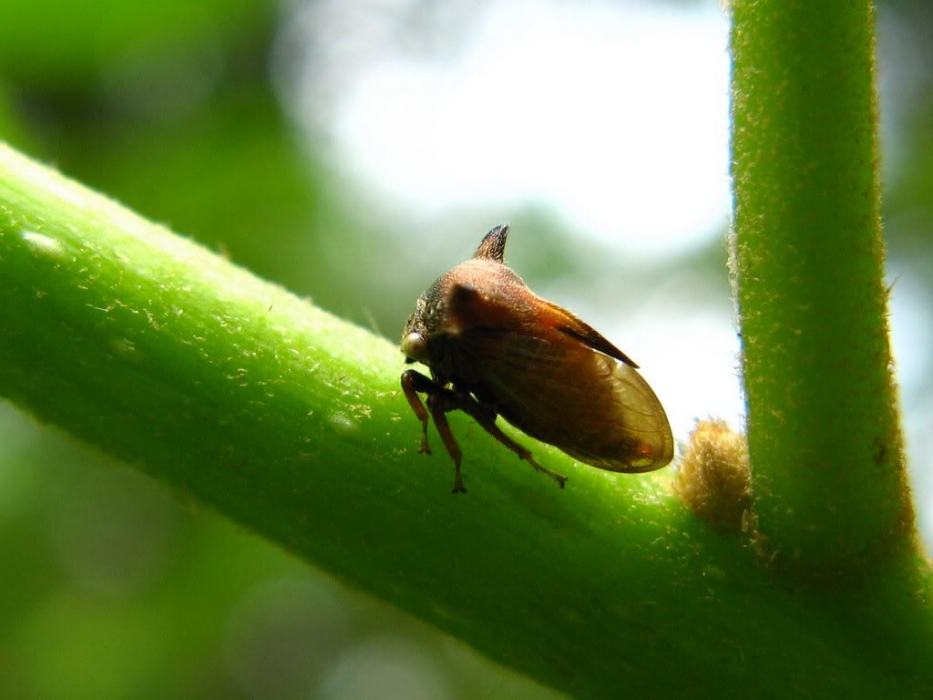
<point>827,458</point>
<point>291,422</point>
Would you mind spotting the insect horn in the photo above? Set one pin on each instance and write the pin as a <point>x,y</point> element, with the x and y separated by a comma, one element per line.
<point>492,247</point>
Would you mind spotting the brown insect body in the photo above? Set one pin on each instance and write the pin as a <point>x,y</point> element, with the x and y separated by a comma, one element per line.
<point>505,351</point>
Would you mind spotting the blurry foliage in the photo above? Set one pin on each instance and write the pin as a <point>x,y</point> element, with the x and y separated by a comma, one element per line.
<point>68,46</point>
<point>909,204</point>
<point>113,589</point>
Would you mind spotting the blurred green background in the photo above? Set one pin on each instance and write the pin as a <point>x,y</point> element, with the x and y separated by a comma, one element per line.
<point>114,587</point>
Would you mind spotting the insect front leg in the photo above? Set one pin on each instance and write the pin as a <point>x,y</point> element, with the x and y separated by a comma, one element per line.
<point>439,402</point>
<point>412,383</point>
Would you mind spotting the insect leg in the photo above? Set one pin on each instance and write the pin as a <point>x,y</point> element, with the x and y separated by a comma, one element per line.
<point>439,403</point>
<point>412,383</point>
<point>487,419</point>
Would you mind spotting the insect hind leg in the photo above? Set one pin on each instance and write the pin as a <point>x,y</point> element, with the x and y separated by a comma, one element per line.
<point>487,420</point>
<point>439,403</point>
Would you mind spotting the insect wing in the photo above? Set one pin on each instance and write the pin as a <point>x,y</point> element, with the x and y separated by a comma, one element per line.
<point>641,440</point>
<point>563,392</point>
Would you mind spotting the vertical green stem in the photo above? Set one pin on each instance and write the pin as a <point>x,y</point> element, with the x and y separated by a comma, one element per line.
<point>823,432</point>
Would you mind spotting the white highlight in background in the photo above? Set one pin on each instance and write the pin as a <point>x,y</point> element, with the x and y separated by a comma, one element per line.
<point>612,115</point>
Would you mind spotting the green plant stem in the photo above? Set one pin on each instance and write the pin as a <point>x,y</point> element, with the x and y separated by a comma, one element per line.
<point>827,459</point>
<point>291,422</point>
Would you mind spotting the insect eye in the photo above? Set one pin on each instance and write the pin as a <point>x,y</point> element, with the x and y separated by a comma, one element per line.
<point>415,347</point>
